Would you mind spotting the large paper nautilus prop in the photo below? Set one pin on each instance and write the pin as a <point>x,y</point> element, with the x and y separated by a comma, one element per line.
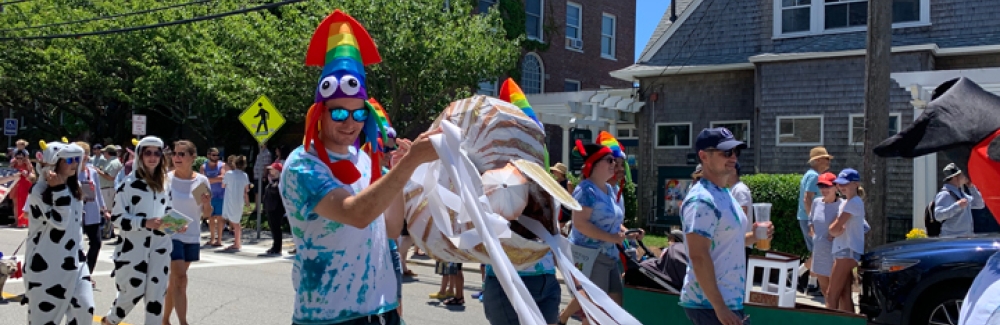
<point>459,208</point>
<point>493,135</point>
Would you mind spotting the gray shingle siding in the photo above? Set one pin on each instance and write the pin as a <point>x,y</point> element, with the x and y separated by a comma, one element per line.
<point>665,22</point>
<point>699,99</point>
<point>833,88</point>
<point>731,31</point>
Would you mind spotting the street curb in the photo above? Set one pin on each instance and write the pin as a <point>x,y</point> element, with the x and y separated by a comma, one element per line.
<point>432,264</point>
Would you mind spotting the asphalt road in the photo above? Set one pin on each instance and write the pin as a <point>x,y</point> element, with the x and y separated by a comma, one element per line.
<point>226,288</point>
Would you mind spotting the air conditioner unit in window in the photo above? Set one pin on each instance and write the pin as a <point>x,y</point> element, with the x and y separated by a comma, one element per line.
<point>574,43</point>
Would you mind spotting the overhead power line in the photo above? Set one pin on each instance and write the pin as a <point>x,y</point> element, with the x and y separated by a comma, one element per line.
<point>105,17</point>
<point>159,25</point>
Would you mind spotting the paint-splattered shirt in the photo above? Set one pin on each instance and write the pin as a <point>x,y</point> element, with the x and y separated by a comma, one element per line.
<point>712,212</point>
<point>340,272</point>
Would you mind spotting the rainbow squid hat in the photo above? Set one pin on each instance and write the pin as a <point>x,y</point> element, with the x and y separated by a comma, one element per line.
<point>510,92</point>
<point>386,125</point>
<point>605,139</point>
<point>343,48</point>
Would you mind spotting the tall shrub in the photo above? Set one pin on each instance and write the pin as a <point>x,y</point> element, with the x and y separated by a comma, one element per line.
<point>782,191</point>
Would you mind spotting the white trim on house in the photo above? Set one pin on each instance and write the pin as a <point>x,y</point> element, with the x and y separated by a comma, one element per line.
<point>656,135</point>
<point>658,43</point>
<point>632,74</point>
<point>591,109</point>
<point>817,20</point>
<point>541,71</point>
<point>541,22</point>
<point>572,81</point>
<point>850,126</point>
<point>713,124</point>
<point>578,26</point>
<point>631,131</point>
<point>825,55</point>
<point>613,35</point>
<point>777,130</point>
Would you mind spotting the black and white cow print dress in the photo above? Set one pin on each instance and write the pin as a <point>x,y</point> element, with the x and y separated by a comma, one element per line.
<point>142,259</point>
<point>56,275</point>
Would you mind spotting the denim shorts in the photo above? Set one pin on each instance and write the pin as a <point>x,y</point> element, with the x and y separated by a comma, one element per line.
<point>185,251</point>
<point>847,253</point>
<point>217,206</point>
<point>398,267</point>
<point>543,288</point>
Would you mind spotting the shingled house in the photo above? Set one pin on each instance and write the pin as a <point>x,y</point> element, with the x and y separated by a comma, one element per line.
<point>788,75</point>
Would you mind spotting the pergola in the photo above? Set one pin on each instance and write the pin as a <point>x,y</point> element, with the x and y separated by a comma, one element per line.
<point>921,85</point>
<point>591,109</point>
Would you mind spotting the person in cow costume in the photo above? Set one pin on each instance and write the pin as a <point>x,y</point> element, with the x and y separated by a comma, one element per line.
<point>56,275</point>
<point>962,121</point>
<point>142,260</point>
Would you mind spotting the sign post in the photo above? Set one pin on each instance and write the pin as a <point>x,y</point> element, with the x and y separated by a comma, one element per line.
<point>9,129</point>
<point>138,125</point>
<point>262,120</point>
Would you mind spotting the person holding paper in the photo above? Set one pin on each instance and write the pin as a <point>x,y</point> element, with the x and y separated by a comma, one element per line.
<point>192,203</point>
<point>55,273</point>
<point>142,260</point>
<point>335,194</point>
<point>95,212</point>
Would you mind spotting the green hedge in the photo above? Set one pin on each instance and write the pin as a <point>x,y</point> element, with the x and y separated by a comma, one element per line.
<point>782,191</point>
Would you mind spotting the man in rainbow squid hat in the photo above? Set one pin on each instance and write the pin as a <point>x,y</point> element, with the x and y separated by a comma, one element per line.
<point>342,271</point>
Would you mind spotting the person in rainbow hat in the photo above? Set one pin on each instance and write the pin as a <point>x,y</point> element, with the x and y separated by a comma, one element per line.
<point>342,271</point>
<point>623,174</point>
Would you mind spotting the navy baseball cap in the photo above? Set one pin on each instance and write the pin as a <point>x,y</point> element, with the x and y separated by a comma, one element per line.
<point>847,175</point>
<point>718,138</point>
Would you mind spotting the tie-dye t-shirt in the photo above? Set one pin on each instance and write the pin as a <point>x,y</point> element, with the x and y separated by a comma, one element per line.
<point>547,265</point>
<point>607,216</point>
<point>340,272</point>
<point>982,303</point>
<point>711,211</point>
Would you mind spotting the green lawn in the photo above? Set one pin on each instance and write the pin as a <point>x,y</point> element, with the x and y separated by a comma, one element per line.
<point>655,241</point>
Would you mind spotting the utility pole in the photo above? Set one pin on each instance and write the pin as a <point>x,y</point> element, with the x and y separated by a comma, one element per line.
<point>877,83</point>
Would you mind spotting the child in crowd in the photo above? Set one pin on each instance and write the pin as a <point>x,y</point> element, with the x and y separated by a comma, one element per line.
<point>237,186</point>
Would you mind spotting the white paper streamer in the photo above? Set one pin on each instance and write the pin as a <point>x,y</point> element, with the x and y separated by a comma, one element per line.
<point>559,246</point>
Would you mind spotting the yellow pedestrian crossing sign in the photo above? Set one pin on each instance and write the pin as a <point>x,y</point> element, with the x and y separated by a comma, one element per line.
<point>262,119</point>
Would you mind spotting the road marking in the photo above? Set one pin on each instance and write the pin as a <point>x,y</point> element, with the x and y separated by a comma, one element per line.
<point>17,298</point>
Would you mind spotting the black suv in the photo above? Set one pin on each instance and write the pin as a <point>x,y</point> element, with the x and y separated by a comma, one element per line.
<point>922,281</point>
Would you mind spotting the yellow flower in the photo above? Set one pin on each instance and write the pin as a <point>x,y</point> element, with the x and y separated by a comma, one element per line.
<point>916,233</point>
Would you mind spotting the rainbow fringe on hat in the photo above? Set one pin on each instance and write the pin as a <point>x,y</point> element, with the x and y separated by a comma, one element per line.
<point>605,139</point>
<point>343,48</point>
<point>510,92</point>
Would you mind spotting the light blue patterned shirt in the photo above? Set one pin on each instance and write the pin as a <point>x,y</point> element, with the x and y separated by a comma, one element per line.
<point>982,302</point>
<point>607,215</point>
<point>712,212</point>
<point>340,272</point>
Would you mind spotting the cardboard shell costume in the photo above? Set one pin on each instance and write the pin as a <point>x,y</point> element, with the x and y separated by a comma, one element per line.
<point>962,121</point>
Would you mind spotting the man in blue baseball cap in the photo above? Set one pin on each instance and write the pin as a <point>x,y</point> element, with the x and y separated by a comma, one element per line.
<point>716,231</point>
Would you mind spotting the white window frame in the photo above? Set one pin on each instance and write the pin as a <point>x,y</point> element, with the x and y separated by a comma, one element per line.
<point>541,76</point>
<point>713,124</point>
<point>494,91</point>
<point>817,21</point>
<point>579,86</point>
<point>541,21</point>
<point>578,26</point>
<point>656,135</point>
<point>492,3</point>
<point>777,130</point>
<point>850,126</point>
<point>631,131</point>
<point>614,36</point>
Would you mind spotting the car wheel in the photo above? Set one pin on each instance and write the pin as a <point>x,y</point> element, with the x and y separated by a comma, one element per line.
<point>939,308</point>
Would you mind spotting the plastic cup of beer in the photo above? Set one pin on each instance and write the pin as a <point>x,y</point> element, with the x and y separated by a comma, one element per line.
<point>762,214</point>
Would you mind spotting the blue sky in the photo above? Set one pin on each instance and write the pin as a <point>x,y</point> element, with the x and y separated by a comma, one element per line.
<point>647,15</point>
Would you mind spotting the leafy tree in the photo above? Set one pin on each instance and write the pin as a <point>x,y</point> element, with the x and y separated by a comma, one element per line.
<point>211,70</point>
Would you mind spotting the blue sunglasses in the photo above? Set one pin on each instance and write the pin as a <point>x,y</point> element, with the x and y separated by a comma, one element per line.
<point>72,160</point>
<point>340,114</point>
